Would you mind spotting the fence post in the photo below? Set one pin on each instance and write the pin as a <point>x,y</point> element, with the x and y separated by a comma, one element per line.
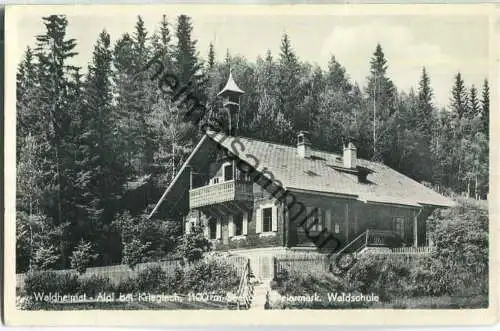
<point>275,267</point>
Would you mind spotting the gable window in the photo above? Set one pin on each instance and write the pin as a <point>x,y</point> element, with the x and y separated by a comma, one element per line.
<point>267,219</point>
<point>238,224</point>
<point>228,172</point>
<point>215,180</point>
<point>213,229</point>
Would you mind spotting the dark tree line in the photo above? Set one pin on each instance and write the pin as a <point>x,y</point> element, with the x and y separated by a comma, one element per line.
<point>95,150</point>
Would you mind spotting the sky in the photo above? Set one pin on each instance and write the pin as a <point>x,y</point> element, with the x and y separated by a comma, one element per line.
<point>444,43</point>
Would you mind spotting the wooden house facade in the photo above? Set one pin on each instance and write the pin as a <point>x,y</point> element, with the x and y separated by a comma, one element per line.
<point>257,196</point>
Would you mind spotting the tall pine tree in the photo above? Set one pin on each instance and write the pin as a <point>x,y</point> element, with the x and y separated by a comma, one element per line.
<point>381,100</point>
<point>53,52</point>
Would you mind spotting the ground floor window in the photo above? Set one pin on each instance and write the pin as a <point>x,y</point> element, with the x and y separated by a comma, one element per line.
<point>399,226</point>
<point>267,219</point>
<point>213,229</point>
<point>337,228</point>
<point>316,219</point>
<point>238,224</point>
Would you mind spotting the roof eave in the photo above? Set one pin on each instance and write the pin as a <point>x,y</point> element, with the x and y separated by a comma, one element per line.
<point>177,176</point>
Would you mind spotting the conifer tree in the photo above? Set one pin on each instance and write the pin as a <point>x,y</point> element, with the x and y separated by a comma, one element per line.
<point>425,106</point>
<point>382,100</point>
<point>185,52</point>
<point>474,108</point>
<point>53,52</point>
<point>459,97</point>
<point>211,56</point>
<point>289,90</point>
<point>101,174</point>
<point>485,108</point>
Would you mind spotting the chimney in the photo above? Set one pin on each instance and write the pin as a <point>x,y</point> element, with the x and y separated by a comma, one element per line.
<point>303,144</point>
<point>350,157</point>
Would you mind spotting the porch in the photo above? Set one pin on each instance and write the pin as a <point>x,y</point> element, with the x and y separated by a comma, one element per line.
<point>382,242</point>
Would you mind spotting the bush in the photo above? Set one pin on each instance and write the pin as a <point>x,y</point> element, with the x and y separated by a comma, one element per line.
<point>300,283</point>
<point>460,235</point>
<point>45,258</point>
<point>384,275</point>
<point>151,279</point>
<point>82,256</point>
<point>194,244</point>
<point>428,279</point>
<point>210,275</point>
<point>134,252</point>
<point>306,283</point>
<point>51,282</point>
<point>94,285</point>
<point>128,285</point>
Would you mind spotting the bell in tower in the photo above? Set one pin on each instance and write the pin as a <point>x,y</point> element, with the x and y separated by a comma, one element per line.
<point>231,94</point>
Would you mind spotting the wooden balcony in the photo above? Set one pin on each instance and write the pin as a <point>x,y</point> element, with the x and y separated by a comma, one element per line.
<point>221,193</point>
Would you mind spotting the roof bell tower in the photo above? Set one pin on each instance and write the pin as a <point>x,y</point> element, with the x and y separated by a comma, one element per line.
<point>231,94</point>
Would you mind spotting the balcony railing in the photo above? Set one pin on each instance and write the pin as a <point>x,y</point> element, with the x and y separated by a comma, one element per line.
<point>220,193</point>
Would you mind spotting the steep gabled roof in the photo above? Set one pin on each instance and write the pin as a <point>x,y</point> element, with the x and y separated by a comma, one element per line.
<point>321,173</point>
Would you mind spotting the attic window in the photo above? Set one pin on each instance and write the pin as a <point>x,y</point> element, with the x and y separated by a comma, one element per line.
<point>228,172</point>
<point>363,174</point>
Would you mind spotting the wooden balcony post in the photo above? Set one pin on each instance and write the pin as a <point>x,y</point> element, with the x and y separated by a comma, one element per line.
<point>415,228</point>
<point>346,221</point>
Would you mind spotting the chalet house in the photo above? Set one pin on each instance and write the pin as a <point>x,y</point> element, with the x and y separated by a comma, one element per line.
<point>229,185</point>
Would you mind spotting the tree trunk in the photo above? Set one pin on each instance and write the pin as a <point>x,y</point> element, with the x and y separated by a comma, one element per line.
<point>476,192</point>
<point>59,207</point>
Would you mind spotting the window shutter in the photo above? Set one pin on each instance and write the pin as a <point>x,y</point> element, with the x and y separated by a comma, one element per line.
<point>218,230</point>
<point>328,219</point>
<point>245,223</point>
<point>205,229</point>
<point>230,225</point>
<point>309,218</point>
<point>188,227</point>
<point>274,222</point>
<point>258,220</point>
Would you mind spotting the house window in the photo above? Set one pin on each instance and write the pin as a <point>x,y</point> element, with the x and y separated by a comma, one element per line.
<point>215,180</point>
<point>228,172</point>
<point>320,220</point>
<point>316,219</point>
<point>213,229</point>
<point>337,228</point>
<point>267,219</point>
<point>190,224</point>
<point>399,226</point>
<point>238,224</point>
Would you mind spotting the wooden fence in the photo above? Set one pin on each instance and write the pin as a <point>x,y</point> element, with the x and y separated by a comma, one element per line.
<point>316,262</point>
<point>301,262</point>
<point>412,250</point>
<point>121,272</point>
